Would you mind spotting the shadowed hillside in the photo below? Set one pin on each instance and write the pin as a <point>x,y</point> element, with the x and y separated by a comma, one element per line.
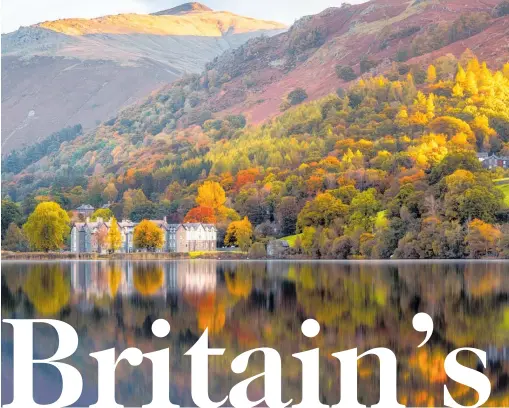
<point>64,72</point>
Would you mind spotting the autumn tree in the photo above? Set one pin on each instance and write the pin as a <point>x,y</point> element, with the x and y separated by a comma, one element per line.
<point>239,233</point>
<point>114,238</point>
<point>47,227</point>
<point>201,214</point>
<point>133,199</point>
<point>147,235</point>
<point>104,213</point>
<point>431,76</point>
<point>211,194</point>
<point>110,192</point>
<point>482,238</point>
<point>321,211</point>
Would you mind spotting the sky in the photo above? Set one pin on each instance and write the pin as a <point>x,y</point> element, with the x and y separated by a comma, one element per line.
<point>16,13</point>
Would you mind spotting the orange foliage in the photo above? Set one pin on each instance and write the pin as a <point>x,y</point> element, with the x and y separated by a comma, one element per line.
<point>246,177</point>
<point>201,214</point>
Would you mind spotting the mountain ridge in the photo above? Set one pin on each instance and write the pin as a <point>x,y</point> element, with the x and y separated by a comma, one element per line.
<point>61,73</point>
<point>190,7</point>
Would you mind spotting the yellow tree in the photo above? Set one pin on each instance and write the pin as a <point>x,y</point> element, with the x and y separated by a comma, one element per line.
<point>431,75</point>
<point>211,194</point>
<point>239,233</point>
<point>147,235</point>
<point>114,239</point>
<point>47,227</point>
<point>461,76</point>
<point>482,238</point>
<point>105,213</point>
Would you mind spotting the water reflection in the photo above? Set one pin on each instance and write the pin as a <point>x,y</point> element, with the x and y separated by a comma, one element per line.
<point>253,304</point>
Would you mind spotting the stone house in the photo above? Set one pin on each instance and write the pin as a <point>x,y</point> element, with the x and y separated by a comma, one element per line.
<point>85,210</point>
<point>192,237</point>
<point>490,162</point>
<point>277,248</point>
<point>90,236</point>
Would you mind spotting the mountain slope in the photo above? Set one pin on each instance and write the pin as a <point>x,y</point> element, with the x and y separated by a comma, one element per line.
<point>264,71</point>
<point>72,71</point>
<point>381,36</point>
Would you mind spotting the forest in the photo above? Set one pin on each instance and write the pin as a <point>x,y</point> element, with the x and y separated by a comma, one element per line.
<point>387,168</point>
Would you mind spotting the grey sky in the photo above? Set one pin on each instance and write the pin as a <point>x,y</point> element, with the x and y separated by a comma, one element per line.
<point>26,12</point>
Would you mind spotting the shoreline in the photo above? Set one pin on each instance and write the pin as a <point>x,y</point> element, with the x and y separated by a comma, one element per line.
<point>215,255</point>
<point>134,256</point>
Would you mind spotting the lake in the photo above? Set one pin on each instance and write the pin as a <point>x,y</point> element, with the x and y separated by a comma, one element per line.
<point>250,304</point>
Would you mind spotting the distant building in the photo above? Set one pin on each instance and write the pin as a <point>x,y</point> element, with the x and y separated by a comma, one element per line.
<point>277,247</point>
<point>90,236</point>
<point>490,162</point>
<point>86,210</point>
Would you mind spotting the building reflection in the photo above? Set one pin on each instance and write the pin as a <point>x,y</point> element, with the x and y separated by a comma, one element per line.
<point>92,280</point>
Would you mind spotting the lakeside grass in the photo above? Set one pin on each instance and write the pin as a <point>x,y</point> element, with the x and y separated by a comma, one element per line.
<point>291,239</point>
<point>501,181</point>
<point>504,188</point>
<point>213,254</point>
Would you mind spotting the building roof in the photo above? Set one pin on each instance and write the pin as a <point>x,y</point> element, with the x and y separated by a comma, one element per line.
<point>85,207</point>
<point>161,224</point>
<point>192,226</point>
<point>81,226</point>
<point>280,243</point>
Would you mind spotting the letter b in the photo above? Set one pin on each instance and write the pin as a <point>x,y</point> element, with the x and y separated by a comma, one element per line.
<point>72,383</point>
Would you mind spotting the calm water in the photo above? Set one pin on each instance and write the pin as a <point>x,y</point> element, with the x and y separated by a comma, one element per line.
<point>252,304</point>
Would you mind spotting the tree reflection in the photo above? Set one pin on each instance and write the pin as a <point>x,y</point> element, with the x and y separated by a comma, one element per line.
<point>148,278</point>
<point>47,289</point>
<point>254,304</point>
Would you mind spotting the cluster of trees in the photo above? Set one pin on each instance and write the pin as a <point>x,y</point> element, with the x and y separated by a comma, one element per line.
<point>48,228</point>
<point>18,160</point>
<point>387,168</point>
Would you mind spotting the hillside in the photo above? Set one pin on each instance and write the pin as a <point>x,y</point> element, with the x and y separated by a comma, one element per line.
<point>384,169</point>
<point>381,166</point>
<point>78,71</point>
<point>368,38</point>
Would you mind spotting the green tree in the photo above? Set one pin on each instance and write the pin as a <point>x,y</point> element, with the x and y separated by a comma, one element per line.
<point>321,211</point>
<point>345,72</point>
<point>47,227</point>
<point>297,96</point>
<point>11,213</point>
<point>364,210</point>
<point>15,239</point>
<point>287,212</point>
<point>105,213</point>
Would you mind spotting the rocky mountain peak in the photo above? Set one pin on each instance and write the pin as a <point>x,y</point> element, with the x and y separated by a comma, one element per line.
<point>192,7</point>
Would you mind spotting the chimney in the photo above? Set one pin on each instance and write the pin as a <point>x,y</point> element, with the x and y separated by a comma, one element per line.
<point>165,219</point>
